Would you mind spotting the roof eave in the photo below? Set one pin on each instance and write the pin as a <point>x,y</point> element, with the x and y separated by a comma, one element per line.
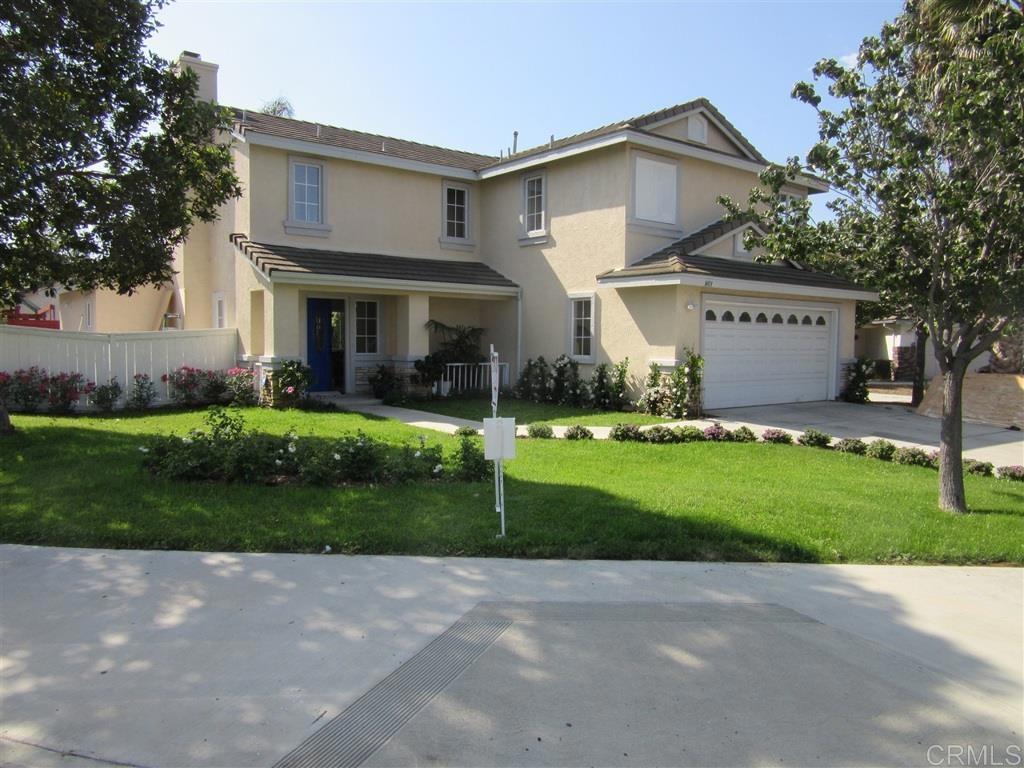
<point>390,284</point>
<point>613,280</point>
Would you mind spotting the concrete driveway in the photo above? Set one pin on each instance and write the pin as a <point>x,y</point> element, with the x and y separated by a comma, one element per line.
<point>891,421</point>
<point>206,659</point>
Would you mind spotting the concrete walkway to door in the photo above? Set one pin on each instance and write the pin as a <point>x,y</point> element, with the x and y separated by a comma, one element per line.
<point>891,421</point>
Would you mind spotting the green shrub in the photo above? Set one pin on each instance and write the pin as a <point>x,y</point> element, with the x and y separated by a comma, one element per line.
<point>143,392</point>
<point>717,433</point>
<point>241,385</point>
<point>814,438</point>
<point>214,386</point>
<point>912,457</point>
<point>627,433</point>
<point>469,464</point>
<point>618,381</point>
<point>659,433</point>
<point>654,399</point>
<point>777,436</point>
<point>28,388</point>
<point>185,384</point>
<point>540,431</point>
<point>601,388</point>
<point>466,432</point>
<point>384,381</point>
<point>857,377</point>
<point>881,449</point>
<point>578,432</point>
<point>976,467</point>
<point>1014,472</point>
<point>291,381</point>
<point>743,435</point>
<point>105,396</point>
<point>64,390</point>
<point>851,445</point>
<point>688,434</point>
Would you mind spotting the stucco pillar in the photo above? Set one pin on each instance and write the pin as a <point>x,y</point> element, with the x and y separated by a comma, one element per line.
<point>413,338</point>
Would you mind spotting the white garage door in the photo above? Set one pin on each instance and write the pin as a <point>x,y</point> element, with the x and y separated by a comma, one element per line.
<point>760,354</point>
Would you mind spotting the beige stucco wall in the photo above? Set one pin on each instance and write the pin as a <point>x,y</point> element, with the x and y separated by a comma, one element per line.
<point>73,313</point>
<point>370,208</point>
<point>679,129</point>
<point>142,311</point>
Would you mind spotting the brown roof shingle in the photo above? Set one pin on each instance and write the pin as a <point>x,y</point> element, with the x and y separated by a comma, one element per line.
<point>270,258</point>
<point>345,138</point>
<point>679,258</point>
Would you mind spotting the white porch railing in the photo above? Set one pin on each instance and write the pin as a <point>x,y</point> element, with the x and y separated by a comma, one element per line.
<point>466,377</point>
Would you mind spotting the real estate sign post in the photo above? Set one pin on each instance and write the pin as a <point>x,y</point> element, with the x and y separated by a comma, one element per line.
<point>499,442</point>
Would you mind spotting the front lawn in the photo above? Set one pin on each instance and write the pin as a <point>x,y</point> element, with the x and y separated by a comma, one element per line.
<point>79,482</point>
<point>528,412</point>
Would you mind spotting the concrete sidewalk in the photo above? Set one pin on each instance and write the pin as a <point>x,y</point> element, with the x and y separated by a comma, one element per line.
<point>207,659</point>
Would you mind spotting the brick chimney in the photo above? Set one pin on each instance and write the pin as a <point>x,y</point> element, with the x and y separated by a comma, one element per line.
<point>206,71</point>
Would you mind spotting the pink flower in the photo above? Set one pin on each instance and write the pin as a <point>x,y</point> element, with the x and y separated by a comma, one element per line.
<point>290,390</point>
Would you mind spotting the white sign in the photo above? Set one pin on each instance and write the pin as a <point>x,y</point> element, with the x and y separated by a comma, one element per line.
<point>499,439</point>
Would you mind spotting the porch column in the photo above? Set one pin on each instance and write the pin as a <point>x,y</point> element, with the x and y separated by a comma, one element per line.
<point>413,340</point>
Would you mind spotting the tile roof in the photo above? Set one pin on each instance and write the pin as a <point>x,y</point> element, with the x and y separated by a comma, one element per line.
<point>639,123</point>
<point>327,135</point>
<point>679,258</point>
<point>271,259</point>
<point>289,128</point>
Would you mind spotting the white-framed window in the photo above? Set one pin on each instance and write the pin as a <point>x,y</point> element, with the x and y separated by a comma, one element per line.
<point>581,327</point>
<point>697,128</point>
<point>455,212</point>
<point>307,193</point>
<point>367,322</point>
<point>219,310</point>
<point>655,189</point>
<point>534,205</point>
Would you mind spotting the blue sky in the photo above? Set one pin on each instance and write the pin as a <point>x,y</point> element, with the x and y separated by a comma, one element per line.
<point>466,75</point>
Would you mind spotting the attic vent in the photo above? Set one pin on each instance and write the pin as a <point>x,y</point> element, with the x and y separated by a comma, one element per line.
<point>318,130</point>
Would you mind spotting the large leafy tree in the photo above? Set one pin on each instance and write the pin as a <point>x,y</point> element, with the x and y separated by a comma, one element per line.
<point>106,155</point>
<point>922,142</point>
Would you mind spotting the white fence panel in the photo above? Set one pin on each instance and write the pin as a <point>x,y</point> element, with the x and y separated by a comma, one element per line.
<point>102,356</point>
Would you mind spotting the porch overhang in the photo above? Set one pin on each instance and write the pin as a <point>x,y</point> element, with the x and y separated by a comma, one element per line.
<point>281,264</point>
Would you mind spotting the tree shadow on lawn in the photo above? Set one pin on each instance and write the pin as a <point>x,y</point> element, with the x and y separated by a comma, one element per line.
<point>71,486</point>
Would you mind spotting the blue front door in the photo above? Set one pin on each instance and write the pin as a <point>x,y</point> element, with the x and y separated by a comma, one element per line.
<point>318,342</point>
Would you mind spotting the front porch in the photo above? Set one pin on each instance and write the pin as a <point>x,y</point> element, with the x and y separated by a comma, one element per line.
<point>346,314</point>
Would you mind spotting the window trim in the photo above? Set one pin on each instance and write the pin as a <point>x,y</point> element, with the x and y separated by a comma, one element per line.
<point>534,236</point>
<point>456,243</point>
<point>219,301</point>
<point>572,298</point>
<point>669,228</point>
<point>355,327</point>
<point>309,228</point>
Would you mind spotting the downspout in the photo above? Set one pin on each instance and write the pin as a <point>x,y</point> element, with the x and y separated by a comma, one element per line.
<point>519,334</point>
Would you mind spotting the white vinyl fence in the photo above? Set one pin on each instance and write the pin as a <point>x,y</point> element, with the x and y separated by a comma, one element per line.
<point>100,357</point>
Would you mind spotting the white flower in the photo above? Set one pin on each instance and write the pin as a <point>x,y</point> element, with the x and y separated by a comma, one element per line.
<point>417,455</point>
<point>278,462</point>
<point>187,440</point>
<point>337,457</point>
<point>143,449</point>
<point>291,447</point>
<point>438,469</point>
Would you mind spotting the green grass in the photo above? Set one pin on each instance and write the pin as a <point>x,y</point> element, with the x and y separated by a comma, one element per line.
<point>526,412</point>
<point>79,482</point>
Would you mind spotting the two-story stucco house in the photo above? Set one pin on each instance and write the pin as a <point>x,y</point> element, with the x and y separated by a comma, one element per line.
<point>604,245</point>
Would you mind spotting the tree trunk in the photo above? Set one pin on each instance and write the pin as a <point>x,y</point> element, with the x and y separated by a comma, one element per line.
<point>951,469</point>
<point>6,427</point>
<point>920,360</point>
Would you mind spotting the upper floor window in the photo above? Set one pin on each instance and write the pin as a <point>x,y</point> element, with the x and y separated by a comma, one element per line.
<point>366,327</point>
<point>655,189</point>
<point>307,193</point>
<point>456,212</point>
<point>697,128</point>
<point>535,209</point>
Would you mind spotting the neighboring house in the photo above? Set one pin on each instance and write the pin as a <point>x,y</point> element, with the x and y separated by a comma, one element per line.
<point>101,311</point>
<point>604,245</point>
<point>894,340</point>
